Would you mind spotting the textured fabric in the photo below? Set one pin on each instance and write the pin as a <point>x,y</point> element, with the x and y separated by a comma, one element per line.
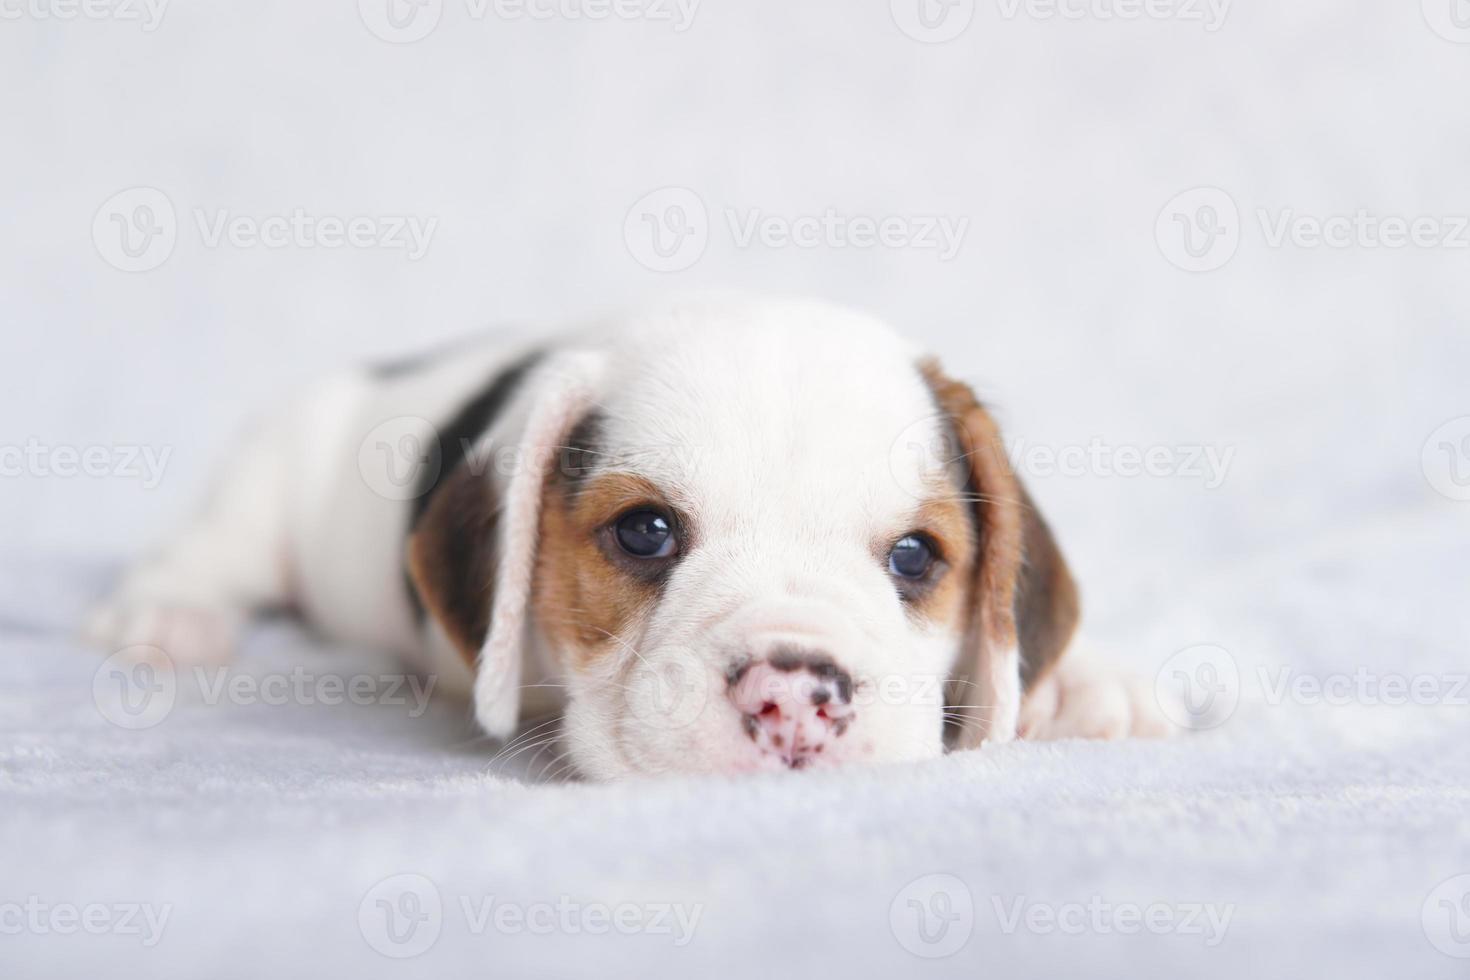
<point>1317,833</point>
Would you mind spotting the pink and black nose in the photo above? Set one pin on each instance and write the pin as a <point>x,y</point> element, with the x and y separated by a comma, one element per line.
<point>793,704</point>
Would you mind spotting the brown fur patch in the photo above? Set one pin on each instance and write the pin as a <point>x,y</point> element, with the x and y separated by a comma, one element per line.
<point>946,519</point>
<point>1022,591</point>
<point>451,559</point>
<point>582,596</point>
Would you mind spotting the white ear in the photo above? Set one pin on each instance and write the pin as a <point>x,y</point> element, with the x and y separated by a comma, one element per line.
<point>562,391</point>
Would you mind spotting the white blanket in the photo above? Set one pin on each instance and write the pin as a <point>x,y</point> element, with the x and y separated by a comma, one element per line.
<point>248,837</point>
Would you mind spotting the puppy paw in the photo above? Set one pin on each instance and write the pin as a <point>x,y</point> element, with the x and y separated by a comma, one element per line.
<point>1076,702</point>
<point>186,633</point>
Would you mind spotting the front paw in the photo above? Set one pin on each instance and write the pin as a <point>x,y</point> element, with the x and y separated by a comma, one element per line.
<point>1092,702</point>
<point>187,633</point>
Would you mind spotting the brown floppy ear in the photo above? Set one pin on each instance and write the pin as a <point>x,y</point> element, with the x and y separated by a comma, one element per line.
<point>472,552</point>
<point>451,559</point>
<point>1024,605</point>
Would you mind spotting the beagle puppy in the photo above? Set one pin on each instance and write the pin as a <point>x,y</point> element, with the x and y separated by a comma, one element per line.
<point>719,537</point>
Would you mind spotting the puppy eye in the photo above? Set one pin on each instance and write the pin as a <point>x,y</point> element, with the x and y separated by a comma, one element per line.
<point>911,557</point>
<point>645,534</point>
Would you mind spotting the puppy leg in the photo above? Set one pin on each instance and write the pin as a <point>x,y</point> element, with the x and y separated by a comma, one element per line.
<point>1085,697</point>
<point>191,599</point>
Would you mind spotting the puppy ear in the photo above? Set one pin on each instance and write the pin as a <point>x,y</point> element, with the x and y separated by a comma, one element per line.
<point>1024,605</point>
<point>451,558</point>
<point>472,553</point>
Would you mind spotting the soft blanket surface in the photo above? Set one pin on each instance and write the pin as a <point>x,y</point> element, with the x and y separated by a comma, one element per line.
<point>1292,840</point>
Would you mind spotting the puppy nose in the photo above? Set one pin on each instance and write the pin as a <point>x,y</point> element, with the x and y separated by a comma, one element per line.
<point>793,704</point>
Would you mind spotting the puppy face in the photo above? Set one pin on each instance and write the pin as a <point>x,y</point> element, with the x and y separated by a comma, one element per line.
<point>764,545</point>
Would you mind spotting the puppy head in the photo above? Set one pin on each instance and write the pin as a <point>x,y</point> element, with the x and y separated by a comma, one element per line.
<point>751,540</point>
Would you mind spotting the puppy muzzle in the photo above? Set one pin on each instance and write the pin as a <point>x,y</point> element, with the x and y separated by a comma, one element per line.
<point>793,703</point>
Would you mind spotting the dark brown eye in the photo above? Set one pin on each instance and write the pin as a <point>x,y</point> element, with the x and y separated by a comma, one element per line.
<point>911,558</point>
<point>645,534</point>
